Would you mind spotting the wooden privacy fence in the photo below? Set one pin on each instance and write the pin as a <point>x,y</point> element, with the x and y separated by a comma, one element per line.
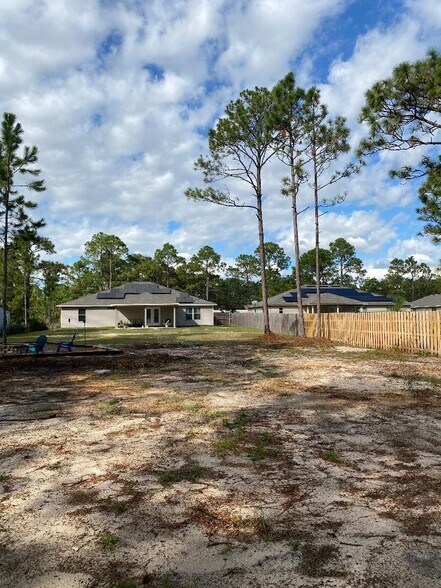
<point>409,331</point>
<point>284,324</point>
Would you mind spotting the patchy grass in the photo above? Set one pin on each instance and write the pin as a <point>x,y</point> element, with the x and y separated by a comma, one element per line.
<point>108,541</point>
<point>190,473</point>
<point>145,338</point>
<point>294,544</point>
<point>261,448</point>
<point>226,445</point>
<point>332,456</point>
<point>118,507</point>
<point>262,526</point>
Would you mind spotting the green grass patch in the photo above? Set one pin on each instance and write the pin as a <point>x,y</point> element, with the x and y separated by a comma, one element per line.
<point>190,473</point>
<point>125,584</point>
<point>112,406</point>
<point>262,526</point>
<point>238,424</point>
<point>294,544</point>
<point>118,507</point>
<point>332,456</point>
<point>268,373</point>
<point>260,449</point>
<point>144,338</point>
<point>108,541</point>
<point>191,406</point>
<point>226,445</point>
<point>170,477</point>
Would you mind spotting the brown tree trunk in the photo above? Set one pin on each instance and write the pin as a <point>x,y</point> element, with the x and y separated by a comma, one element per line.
<point>5,265</point>
<point>5,278</point>
<point>317,249</point>
<point>266,323</point>
<point>295,222</point>
<point>27,300</point>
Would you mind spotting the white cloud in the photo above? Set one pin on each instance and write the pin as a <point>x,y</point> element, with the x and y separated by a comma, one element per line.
<point>116,96</point>
<point>422,249</point>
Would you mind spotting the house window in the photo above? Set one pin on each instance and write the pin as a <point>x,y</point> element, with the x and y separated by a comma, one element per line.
<point>81,315</point>
<point>280,310</point>
<point>192,314</point>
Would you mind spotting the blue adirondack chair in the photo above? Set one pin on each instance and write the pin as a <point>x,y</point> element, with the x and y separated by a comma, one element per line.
<point>66,344</point>
<point>38,346</point>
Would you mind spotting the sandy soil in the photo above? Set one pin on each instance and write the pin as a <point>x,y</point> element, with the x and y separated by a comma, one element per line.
<point>221,466</point>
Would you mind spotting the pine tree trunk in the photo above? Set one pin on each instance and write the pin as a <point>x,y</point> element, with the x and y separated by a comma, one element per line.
<point>207,287</point>
<point>27,300</point>
<point>295,222</point>
<point>5,265</point>
<point>317,249</point>
<point>5,277</point>
<point>266,323</point>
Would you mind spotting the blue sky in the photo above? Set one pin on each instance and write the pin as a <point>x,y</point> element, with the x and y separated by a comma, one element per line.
<point>119,96</point>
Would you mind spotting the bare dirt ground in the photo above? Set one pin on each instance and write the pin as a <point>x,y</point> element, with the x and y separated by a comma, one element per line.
<point>224,465</point>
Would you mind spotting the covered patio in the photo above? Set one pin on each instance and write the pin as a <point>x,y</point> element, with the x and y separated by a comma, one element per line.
<point>143,316</point>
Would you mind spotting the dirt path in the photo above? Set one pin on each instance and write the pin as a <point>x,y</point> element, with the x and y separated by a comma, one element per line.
<point>221,466</point>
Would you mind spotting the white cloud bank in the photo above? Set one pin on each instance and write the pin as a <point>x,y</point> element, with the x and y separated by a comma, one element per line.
<point>117,97</point>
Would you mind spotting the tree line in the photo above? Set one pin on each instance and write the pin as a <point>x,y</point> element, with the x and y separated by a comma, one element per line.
<point>287,123</point>
<point>37,285</point>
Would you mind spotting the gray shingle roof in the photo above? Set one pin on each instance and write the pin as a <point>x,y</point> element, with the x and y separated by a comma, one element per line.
<point>431,301</point>
<point>147,293</point>
<point>330,296</point>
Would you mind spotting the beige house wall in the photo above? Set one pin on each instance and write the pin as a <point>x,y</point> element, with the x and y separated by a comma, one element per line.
<point>95,317</point>
<point>289,310</point>
<point>207,317</point>
<point>110,317</point>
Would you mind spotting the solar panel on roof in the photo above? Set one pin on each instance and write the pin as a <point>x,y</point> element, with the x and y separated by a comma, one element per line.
<point>292,298</point>
<point>357,295</point>
<point>350,293</point>
<point>120,292</point>
<point>185,299</point>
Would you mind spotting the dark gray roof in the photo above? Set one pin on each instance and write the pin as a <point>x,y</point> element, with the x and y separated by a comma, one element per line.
<point>330,296</point>
<point>147,293</point>
<point>432,301</point>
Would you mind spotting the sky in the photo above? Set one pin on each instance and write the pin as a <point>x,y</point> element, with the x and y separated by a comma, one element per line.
<point>118,96</point>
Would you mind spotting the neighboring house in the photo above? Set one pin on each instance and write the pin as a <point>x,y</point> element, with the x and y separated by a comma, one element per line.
<point>432,302</point>
<point>333,299</point>
<point>141,304</point>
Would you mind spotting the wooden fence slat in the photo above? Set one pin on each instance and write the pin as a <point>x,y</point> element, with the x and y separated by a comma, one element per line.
<point>409,331</point>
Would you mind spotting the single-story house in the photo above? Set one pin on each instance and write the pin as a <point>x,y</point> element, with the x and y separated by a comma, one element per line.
<point>137,304</point>
<point>332,298</point>
<point>432,302</point>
